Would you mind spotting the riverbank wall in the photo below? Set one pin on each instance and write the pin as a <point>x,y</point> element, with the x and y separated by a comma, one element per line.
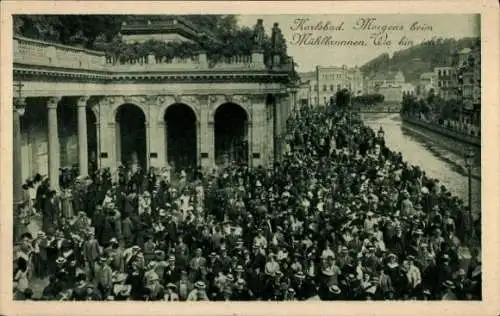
<point>453,144</point>
<point>466,139</point>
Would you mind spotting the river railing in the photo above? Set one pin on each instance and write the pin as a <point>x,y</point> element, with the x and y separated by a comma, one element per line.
<point>28,51</point>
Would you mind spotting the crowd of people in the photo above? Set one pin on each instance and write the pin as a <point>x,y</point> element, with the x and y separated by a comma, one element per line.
<point>339,217</point>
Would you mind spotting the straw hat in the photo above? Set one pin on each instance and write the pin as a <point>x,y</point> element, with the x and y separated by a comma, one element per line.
<point>334,289</point>
<point>153,277</point>
<point>60,260</point>
<point>171,286</point>
<point>300,275</point>
<point>119,277</point>
<point>200,285</point>
<point>125,290</point>
<point>448,284</point>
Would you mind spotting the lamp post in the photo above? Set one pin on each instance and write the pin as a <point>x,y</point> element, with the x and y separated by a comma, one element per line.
<point>381,133</point>
<point>469,159</point>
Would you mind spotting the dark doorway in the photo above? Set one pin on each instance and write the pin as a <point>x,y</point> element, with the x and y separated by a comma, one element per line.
<point>92,141</point>
<point>67,125</point>
<point>231,143</point>
<point>181,147</point>
<point>131,136</point>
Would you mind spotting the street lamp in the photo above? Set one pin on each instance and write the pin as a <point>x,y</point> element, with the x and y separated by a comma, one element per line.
<point>380,133</point>
<point>469,160</point>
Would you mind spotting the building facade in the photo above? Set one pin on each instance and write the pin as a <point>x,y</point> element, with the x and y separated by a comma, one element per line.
<point>326,81</point>
<point>469,82</point>
<point>428,81</point>
<point>446,82</point>
<point>78,109</point>
<point>391,85</point>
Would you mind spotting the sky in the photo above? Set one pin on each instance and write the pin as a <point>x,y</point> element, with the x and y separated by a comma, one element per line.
<point>352,40</point>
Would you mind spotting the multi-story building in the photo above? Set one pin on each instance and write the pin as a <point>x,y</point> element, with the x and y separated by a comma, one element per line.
<point>427,82</point>
<point>390,85</point>
<point>446,82</point>
<point>326,81</point>
<point>469,82</point>
<point>304,93</point>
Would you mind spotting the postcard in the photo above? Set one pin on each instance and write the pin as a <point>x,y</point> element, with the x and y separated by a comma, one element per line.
<point>250,158</point>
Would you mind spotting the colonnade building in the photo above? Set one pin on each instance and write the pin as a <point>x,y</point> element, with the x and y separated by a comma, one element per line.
<point>73,107</point>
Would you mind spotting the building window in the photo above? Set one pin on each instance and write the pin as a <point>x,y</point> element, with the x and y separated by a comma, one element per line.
<point>331,87</point>
<point>338,87</point>
<point>315,87</point>
<point>324,87</point>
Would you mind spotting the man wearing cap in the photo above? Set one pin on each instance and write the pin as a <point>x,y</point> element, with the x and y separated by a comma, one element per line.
<point>184,286</point>
<point>198,293</point>
<point>171,295</point>
<point>240,292</point>
<point>104,276</point>
<point>91,252</point>
<point>413,274</point>
<point>172,272</point>
<point>301,286</point>
<point>156,290</point>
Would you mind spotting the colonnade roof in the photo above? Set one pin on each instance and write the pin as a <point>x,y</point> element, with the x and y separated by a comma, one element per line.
<point>43,59</point>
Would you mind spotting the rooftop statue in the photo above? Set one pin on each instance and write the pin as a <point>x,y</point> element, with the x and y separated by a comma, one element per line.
<point>258,35</point>
<point>277,40</point>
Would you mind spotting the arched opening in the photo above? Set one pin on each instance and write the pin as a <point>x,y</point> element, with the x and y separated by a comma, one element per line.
<point>131,141</point>
<point>180,129</point>
<point>231,134</point>
<point>92,141</point>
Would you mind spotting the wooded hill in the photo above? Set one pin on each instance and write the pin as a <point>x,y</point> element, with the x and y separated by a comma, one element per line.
<point>420,58</point>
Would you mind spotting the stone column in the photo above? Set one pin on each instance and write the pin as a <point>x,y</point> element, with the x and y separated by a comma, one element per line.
<point>83,159</point>
<point>98,137</point>
<point>258,132</point>
<point>147,127</point>
<point>207,137</point>
<point>54,159</point>
<point>16,151</point>
<point>157,146</point>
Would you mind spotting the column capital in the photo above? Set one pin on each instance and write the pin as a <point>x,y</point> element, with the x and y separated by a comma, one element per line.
<point>53,102</point>
<point>82,101</point>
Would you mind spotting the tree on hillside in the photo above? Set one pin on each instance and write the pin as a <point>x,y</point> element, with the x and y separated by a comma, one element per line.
<point>415,60</point>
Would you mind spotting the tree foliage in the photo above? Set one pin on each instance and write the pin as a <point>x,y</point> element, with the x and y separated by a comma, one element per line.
<point>221,37</point>
<point>343,98</point>
<point>368,99</point>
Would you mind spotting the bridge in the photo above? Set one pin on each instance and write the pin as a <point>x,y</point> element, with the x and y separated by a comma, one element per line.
<point>377,109</point>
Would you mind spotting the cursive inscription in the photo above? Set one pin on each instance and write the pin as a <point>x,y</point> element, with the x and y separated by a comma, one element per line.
<point>364,31</point>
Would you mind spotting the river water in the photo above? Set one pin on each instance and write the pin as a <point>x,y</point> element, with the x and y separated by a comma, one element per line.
<point>428,152</point>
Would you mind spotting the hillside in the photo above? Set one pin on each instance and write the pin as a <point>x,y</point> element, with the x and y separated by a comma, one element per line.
<point>417,59</point>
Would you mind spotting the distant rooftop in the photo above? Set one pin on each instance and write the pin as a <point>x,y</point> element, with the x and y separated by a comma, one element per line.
<point>174,25</point>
